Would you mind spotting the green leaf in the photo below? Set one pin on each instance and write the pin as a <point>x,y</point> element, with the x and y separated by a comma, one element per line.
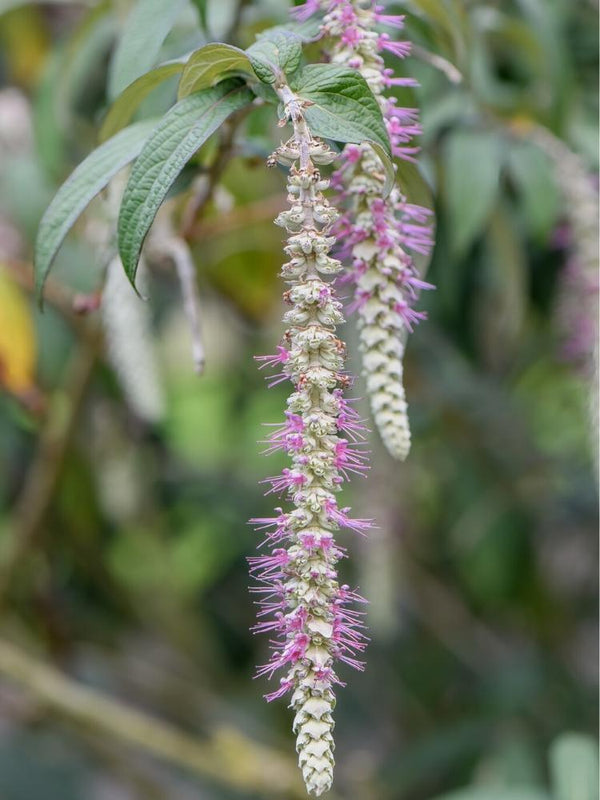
<point>145,30</point>
<point>342,107</point>
<point>285,44</point>
<point>178,136</point>
<point>211,64</point>
<point>574,767</point>
<point>533,175</point>
<point>127,103</point>
<point>89,178</point>
<point>275,54</point>
<point>472,173</point>
<point>263,58</point>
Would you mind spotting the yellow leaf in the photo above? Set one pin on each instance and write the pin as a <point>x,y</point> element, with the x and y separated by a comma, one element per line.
<point>17,339</point>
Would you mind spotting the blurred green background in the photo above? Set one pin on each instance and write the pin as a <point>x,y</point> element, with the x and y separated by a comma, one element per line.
<point>127,479</point>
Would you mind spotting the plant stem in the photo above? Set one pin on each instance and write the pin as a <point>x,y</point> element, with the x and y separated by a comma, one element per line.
<point>228,757</point>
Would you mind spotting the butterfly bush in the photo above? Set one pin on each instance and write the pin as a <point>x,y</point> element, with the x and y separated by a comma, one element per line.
<point>381,234</point>
<point>301,600</point>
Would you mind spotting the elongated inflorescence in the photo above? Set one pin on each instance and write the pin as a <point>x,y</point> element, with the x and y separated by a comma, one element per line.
<point>381,234</point>
<point>302,603</point>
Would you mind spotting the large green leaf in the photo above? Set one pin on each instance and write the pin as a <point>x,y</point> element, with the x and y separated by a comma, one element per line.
<point>472,171</point>
<point>276,53</point>
<point>574,767</point>
<point>145,30</point>
<point>210,64</point>
<point>127,103</point>
<point>89,178</point>
<point>342,107</point>
<point>178,136</point>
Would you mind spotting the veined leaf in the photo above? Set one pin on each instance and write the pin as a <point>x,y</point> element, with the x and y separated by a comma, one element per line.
<point>89,178</point>
<point>342,107</point>
<point>472,172</point>
<point>178,136</point>
<point>285,44</point>
<point>275,53</point>
<point>211,64</point>
<point>145,30</point>
<point>127,103</point>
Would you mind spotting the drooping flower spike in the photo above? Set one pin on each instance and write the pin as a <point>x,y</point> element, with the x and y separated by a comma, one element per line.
<point>381,234</point>
<point>302,604</point>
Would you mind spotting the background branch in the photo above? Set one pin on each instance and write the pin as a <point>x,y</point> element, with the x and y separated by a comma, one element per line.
<point>227,757</point>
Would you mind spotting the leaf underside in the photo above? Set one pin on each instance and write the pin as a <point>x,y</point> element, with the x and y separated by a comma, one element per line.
<point>89,178</point>
<point>181,132</point>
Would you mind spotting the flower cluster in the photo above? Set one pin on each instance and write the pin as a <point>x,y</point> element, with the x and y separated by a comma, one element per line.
<point>301,601</point>
<point>381,234</point>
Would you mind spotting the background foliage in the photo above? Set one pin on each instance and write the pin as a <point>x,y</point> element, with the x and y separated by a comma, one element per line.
<point>124,542</point>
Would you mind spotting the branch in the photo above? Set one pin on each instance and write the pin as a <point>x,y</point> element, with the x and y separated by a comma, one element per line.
<point>208,182</point>
<point>241,217</point>
<point>438,62</point>
<point>227,757</point>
